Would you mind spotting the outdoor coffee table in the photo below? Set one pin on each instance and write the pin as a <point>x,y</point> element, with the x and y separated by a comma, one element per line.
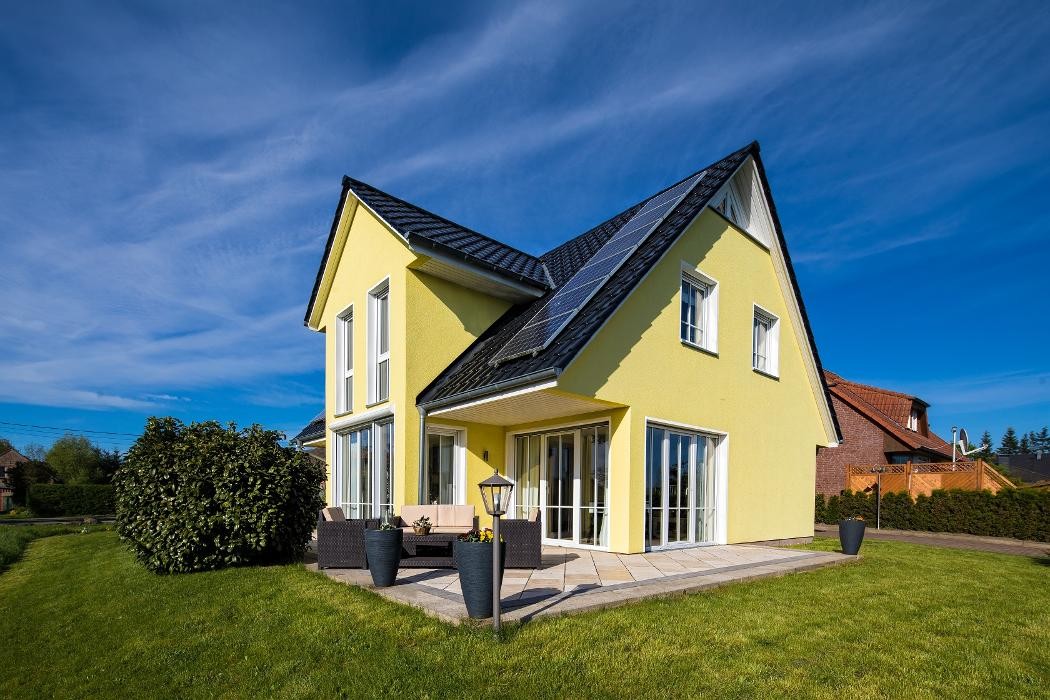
<point>427,551</point>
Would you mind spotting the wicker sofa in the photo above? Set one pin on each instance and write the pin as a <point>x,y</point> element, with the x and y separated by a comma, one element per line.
<point>341,541</point>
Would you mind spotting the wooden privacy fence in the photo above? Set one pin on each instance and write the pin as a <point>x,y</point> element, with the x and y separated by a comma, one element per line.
<point>926,477</point>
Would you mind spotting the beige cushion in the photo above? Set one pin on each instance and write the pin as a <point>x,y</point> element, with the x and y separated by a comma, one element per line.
<point>534,515</point>
<point>455,530</point>
<point>456,516</point>
<point>411,514</point>
<point>333,515</point>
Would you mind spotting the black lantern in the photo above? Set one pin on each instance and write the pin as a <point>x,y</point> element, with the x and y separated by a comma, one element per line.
<point>495,492</point>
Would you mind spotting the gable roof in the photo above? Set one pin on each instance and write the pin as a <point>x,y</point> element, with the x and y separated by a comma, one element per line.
<point>473,372</point>
<point>428,230</point>
<point>888,409</point>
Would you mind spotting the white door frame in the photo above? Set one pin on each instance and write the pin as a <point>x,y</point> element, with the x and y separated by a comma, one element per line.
<point>459,459</point>
<point>575,428</point>
<point>718,443</point>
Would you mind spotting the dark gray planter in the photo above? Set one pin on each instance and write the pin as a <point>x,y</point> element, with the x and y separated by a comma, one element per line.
<point>851,534</point>
<point>474,562</point>
<point>383,549</point>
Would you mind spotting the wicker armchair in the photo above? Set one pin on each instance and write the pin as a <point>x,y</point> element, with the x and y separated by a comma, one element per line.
<point>522,540</point>
<point>341,543</point>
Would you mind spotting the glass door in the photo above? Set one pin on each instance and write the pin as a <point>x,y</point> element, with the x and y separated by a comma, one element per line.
<point>440,485</point>
<point>679,488</point>
<point>560,486</point>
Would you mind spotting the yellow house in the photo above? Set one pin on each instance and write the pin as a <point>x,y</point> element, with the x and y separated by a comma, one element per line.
<point>651,383</point>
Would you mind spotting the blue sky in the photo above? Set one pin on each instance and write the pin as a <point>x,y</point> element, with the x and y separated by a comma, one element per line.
<point>170,171</point>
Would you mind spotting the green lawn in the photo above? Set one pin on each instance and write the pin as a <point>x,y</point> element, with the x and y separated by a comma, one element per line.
<point>84,620</point>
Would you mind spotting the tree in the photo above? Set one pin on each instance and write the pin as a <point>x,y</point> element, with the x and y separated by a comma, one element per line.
<point>25,474</point>
<point>1009,445</point>
<point>1025,446</point>
<point>986,452</point>
<point>75,460</point>
<point>1042,440</point>
<point>5,445</point>
<point>35,451</point>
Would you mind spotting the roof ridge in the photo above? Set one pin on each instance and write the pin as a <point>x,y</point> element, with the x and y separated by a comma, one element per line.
<point>352,181</point>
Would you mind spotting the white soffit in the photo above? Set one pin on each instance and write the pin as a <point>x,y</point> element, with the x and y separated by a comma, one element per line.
<point>523,406</point>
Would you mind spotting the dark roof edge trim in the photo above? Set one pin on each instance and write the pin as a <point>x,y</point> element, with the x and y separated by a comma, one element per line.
<point>782,242</point>
<point>481,392</point>
<point>327,250</point>
<point>448,251</point>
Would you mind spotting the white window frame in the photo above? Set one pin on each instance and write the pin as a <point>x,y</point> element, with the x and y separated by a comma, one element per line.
<point>913,421</point>
<point>344,351</point>
<point>708,313</point>
<point>730,205</point>
<point>348,455</point>
<point>772,356</point>
<point>375,357</point>
<point>719,456</point>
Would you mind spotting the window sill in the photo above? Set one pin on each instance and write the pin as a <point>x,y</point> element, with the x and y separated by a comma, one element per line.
<point>343,414</point>
<point>701,348</point>
<point>774,377</point>
<point>377,403</point>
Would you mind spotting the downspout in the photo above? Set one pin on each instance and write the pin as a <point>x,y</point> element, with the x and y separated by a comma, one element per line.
<point>422,452</point>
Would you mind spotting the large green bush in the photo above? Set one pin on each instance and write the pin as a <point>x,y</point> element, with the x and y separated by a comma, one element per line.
<point>47,500</point>
<point>1019,513</point>
<point>204,496</point>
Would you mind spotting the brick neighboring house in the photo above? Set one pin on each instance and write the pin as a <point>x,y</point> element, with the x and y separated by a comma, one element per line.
<point>8,460</point>
<point>879,426</point>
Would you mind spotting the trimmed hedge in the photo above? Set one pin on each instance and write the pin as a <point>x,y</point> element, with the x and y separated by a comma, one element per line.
<point>1023,514</point>
<point>52,500</point>
<point>204,496</point>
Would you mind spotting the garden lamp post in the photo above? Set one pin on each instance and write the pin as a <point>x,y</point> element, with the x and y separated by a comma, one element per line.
<point>495,493</point>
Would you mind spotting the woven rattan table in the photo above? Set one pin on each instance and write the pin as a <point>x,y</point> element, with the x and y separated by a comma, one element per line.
<point>427,551</point>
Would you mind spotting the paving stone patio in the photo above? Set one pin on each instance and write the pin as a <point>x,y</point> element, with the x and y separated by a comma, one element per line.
<point>574,580</point>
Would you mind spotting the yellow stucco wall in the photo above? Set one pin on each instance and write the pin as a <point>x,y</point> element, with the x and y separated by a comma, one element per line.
<point>773,425</point>
<point>444,319</point>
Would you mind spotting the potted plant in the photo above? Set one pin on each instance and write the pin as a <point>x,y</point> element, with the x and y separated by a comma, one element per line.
<point>383,550</point>
<point>851,534</point>
<point>472,554</point>
<point>422,526</point>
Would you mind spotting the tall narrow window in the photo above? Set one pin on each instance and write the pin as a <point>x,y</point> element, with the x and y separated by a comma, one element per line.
<point>345,354</point>
<point>913,420</point>
<point>379,344</point>
<point>765,347</point>
<point>699,321</point>
<point>364,471</point>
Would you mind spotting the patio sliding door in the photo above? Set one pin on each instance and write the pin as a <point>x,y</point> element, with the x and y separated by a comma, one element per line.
<point>443,480</point>
<point>679,487</point>
<point>565,475</point>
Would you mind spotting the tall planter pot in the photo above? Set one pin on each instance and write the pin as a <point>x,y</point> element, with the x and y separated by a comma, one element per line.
<point>851,535</point>
<point>383,549</point>
<point>474,562</point>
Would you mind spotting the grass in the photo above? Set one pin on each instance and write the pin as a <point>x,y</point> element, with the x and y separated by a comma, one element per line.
<point>908,621</point>
<point>15,538</point>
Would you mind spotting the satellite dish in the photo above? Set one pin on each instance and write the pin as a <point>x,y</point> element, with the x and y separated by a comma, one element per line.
<point>964,440</point>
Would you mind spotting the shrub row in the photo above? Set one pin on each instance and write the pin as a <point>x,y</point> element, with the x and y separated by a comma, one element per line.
<point>1020,513</point>
<point>52,500</point>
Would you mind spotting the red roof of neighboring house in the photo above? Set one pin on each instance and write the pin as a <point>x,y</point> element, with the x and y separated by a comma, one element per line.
<point>888,409</point>
<point>11,458</point>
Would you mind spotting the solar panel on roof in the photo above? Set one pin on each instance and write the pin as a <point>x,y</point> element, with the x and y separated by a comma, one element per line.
<point>545,325</point>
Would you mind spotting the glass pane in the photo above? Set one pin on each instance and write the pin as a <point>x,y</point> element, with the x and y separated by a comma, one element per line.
<point>587,533</point>
<point>567,453</point>
<point>587,468</point>
<point>674,441</point>
<point>672,525</point>
<point>601,465</point>
<point>348,344</point>
<point>383,310</point>
<point>603,529</point>
<point>383,381</point>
